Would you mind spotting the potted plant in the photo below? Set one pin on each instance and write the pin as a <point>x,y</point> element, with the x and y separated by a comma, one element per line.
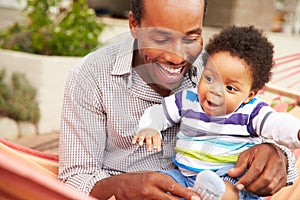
<point>51,39</point>
<point>51,29</point>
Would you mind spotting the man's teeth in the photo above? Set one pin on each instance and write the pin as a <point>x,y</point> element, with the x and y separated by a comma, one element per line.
<point>171,70</point>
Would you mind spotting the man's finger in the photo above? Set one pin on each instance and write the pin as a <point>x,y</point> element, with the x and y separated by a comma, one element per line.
<point>268,183</point>
<point>265,190</point>
<point>174,188</point>
<point>255,170</point>
<point>240,166</point>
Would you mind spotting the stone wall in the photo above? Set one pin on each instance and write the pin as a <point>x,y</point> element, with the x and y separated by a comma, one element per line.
<point>12,130</point>
<point>48,75</point>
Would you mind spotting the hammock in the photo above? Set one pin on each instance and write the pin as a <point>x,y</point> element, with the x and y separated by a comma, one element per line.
<point>29,175</point>
<point>283,91</point>
<point>286,77</point>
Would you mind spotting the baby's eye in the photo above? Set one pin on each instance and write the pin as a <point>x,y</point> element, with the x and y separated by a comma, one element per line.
<point>231,88</point>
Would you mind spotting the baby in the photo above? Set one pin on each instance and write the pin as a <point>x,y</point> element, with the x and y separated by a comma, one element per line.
<point>223,116</point>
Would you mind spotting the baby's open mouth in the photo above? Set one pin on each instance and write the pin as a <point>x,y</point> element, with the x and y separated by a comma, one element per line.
<point>210,103</point>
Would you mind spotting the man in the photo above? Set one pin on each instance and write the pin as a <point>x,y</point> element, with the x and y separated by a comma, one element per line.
<point>109,90</point>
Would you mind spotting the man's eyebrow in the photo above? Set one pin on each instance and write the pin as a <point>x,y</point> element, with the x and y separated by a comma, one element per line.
<point>195,31</point>
<point>167,32</point>
<point>160,31</point>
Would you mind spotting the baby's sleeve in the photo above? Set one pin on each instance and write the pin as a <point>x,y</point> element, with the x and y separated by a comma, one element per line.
<point>281,127</point>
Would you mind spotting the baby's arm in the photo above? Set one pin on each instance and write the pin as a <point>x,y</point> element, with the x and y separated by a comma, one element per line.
<point>152,122</point>
<point>283,128</point>
<point>150,136</point>
<point>155,119</point>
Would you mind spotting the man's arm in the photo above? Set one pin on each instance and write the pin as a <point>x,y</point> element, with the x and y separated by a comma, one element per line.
<point>83,136</point>
<point>270,167</point>
<point>143,185</point>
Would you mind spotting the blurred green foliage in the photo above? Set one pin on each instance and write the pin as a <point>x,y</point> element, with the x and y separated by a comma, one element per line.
<point>18,99</point>
<point>54,30</point>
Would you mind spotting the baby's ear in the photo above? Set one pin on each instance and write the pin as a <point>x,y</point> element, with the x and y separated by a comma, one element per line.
<point>251,95</point>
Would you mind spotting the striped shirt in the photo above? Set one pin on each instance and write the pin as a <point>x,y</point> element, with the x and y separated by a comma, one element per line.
<point>103,101</point>
<point>213,142</point>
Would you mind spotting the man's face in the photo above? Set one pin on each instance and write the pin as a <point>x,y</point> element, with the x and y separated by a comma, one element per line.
<point>169,39</point>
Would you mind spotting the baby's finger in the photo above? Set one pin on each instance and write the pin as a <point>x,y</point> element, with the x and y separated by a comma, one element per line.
<point>149,143</point>
<point>134,139</point>
<point>157,142</point>
<point>141,140</point>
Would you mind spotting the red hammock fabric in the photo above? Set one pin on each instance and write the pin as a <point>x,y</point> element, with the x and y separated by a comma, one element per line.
<point>286,76</point>
<point>28,174</point>
<point>30,151</point>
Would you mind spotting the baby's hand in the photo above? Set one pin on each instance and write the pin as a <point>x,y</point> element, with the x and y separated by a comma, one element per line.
<point>152,138</point>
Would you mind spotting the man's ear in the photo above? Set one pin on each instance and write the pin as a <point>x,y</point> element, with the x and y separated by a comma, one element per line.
<point>252,94</point>
<point>133,25</point>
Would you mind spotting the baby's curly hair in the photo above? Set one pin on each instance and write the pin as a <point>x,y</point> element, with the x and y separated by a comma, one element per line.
<point>249,44</point>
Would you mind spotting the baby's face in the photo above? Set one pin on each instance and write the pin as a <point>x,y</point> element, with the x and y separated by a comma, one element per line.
<point>225,84</point>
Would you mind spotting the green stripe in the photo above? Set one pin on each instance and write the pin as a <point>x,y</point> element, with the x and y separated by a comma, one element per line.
<point>206,157</point>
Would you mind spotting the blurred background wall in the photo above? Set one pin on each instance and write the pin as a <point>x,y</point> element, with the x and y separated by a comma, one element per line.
<point>220,12</point>
<point>227,12</point>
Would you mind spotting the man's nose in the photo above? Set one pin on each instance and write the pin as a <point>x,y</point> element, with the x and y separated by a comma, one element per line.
<point>175,54</point>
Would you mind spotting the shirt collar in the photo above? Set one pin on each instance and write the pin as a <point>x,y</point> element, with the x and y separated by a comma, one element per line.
<point>138,87</point>
<point>123,62</point>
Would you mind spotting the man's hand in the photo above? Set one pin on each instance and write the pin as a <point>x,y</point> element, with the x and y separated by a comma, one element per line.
<point>144,185</point>
<point>267,169</point>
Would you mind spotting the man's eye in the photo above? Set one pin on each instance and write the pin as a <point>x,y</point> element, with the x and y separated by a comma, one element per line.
<point>209,79</point>
<point>160,40</point>
<point>231,88</point>
<point>189,40</point>
<point>192,39</point>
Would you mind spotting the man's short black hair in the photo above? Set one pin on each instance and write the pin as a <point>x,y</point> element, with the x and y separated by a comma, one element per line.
<point>136,6</point>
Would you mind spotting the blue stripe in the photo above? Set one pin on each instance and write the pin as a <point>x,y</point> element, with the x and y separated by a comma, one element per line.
<point>191,96</point>
<point>230,145</point>
<point>189,167</point>
<point>217,142</point>
<point>250,102</point>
